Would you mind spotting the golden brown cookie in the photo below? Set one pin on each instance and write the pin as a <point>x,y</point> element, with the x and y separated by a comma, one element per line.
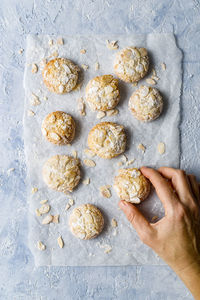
<point>61,173</point>
<point>60,75</point>
<point>86,221</point>
<point>146,103</point>
<point>59,128</point>
<point>131,64</point>
<point>102,93</point>
<point>131,185</point>
<point>107,139</point>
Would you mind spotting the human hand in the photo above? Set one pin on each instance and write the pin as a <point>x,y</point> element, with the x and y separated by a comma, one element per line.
<point>176,237</point>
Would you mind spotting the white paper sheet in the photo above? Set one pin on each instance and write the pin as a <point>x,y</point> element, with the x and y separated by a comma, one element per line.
<point>127,249</point>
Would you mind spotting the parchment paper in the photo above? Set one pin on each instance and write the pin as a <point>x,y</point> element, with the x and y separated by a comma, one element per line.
<point>126,246</point>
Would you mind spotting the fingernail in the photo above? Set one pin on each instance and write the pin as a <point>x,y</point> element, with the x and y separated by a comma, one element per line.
<point>122,203</point>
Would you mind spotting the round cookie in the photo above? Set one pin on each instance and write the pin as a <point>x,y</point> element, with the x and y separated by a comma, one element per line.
<point>146,103</point>
<point>131,185</point>
<point>102,93</point>
<point>107,139</point>
<point>60,75</point>
<point>61,173</point>
<point>59,128</point>
<point>131,64</point>
<point>86,221</point>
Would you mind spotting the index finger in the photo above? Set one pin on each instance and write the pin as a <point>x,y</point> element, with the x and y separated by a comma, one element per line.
<point>163,189</point>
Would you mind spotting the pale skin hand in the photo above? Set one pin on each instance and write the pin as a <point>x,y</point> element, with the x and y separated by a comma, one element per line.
<point>176,237</point>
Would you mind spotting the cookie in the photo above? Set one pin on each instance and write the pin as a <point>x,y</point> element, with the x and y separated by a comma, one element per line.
<point>146,103</point>
<point>131,64</point>
<point>59,128</point>
<point>86,222</point>
<point>60,75</point>
<point>131,185</point>
<point>102,93</point>
<point>61,173</point>
<point>107,139</point>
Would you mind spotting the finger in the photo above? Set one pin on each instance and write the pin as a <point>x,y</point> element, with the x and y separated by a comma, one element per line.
<point>139,222</point>
<point>194,186</point>
<point>180,183</point>
<point>163,188</point>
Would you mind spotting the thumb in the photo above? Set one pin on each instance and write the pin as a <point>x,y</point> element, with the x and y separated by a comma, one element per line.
<point>139,222</point>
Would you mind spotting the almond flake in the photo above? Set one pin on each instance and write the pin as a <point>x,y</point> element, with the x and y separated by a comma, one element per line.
<point>155,78</point>
<point>112,112</point>
<point>134,84</point>
<point>130,162</point>
<point>56,219</point>
<point>34,190</point>
<point>142,147</point>
<point>85,67</point>
<point>150,81</point>
<point>161,148</point>
<point>21,51</point>
<point>106,193</point>
<point>34,68</point>
<point>154,72</point>
<point>71,202</point>
<point>163,66</point>
<point>60,41</point>
<point>43,201</point>
<point>35,100</point>
<point>124,158</point>
<point>45,98</point>
<point>67,206</point>
<point>37,212</point>
<point>89,152</point>
<point>112,45</point>
<point>82,51</point>
<point>55,54</point>
<point>86,181</point>
<point>43,63</point>
<point>60,242</point>
<point>114,223</point>
<point>45,208</point>
<point>96,66</point>
<point>30,113</point>
<point>101,115</point>
<point>48,219</point>
<point>120,163</point>
<point>89,163</point>
<point>50,42</point>
<point>74,153</point>
<point>10,170</point>
<point>81,106</point>
<point>41,246</point>
<point>108,249</point>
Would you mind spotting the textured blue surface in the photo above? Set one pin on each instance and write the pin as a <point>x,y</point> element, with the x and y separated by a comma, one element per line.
<point>19,279</point>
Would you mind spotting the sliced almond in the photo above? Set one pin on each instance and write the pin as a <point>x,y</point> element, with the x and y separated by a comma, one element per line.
<point>154,72</point>
<point>50,42</point>
<point>55,54</point>
<point>34,190</point>
<point>71,202</point>
<point>44,209</point>
<point>108,249</point>
<point>35,100</point>
<point>21,51</point>
<point>60,242</point>
<point>34,68</point>
<point>60,41</point>
<point>106,193</point>
<point>74,153</point>
<point>67,206</point>
<point>96,66</point>
<point>142,147</point>
<point>130,162</point>
<point>30,113</point>
<point>82,51</point>
<point>89,152</point>
<point>150,81</point>
<point>85,67</point>
<point>112,112</point>
<point>120,163</point>
<point>48,219</point>
<point>163,66</point>
<point>161,148</point>
<point>43,201</point>
<point>101,114</point>
<point>155,78</point>
<point>86,181</point>
<point>37,212</point>
<point>112,45</point>
<point>45,98</point>
<point>114,223</point>
<point>124,158</point>
<point>41,246</point>
<point>81,106</point>
<point>56,219</point>
<point>89,163</point>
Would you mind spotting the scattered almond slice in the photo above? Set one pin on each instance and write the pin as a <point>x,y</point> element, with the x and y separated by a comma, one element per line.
<point>130,162</point>
<point>60,41</point>
<point>30,113</point>
<point>50,42</point>
<point>106,193</point>
<point>71,202</point>
<point>142,147</point>
<point>97,66</point>
<point>163,66</point>
<point>82,51</point>
<point>150,81</point>
<point>114,223</point>
<point>161,148</point>
<point>101,115</point>
<point>56,219</point>
<point>34,68</point>
<point>108,249</point>
<point>112,112</point>
<point>45,98</point>
<point>45,208</point>
<point>120,163</point>
<point>67,206</point>
<point>89,152</point>
<point>41,246</point>
<point>155,78</point>
<point>89,163</point>
<point>124,158</point>
<point>48,219</point>
<point>21,51</point>
<point>38,214</point>
<point>55,54</point>
<point>60,242</point>
<point>85,67</point>
<point>43,201</point>
<point>35,100</point>
<point>81,106</point>
<point>34,190</point>
<point>10,170</point>
<point>42,63</point>
<point>154,72</point>
<point>86,181</point>
<point>112,45</point>
<point>74,153</point>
